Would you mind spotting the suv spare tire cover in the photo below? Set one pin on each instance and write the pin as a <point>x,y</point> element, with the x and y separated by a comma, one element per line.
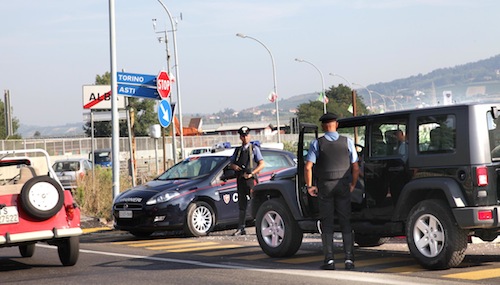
<point>41,197</point>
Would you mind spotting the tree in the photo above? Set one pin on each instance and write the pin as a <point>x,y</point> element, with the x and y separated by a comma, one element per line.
<point>339,102</point>
<point>3,129</point>
<point>145,115</point>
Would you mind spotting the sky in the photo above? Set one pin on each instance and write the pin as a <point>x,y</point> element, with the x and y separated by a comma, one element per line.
<point>49,49</point>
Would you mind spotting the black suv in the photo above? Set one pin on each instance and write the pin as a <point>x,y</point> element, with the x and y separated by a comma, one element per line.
<point>437,185</point>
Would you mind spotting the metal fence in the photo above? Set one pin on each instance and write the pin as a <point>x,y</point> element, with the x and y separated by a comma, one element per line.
<point>147,150</point>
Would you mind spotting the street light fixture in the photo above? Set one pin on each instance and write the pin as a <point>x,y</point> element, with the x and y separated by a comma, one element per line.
<point>389,97</point>
<point>177,76</point>
<point>369,92</point>
<point>322,82</point>
<point>275,89</point>
<point>338,75</point>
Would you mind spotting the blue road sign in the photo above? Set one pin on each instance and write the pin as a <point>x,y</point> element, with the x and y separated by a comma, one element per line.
<point>164,113</point>
<point>138,91</point>
<point>136,79</point>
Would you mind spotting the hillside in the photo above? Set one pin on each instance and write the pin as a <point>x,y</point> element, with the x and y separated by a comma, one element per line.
<point>468,82</point>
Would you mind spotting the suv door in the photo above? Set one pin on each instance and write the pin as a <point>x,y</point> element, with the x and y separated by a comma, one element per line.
<point>386,165</point>
<point>308,204</point>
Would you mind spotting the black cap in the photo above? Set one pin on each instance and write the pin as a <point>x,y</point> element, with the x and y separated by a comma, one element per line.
<point>328,117</point>
<point>243,131</point>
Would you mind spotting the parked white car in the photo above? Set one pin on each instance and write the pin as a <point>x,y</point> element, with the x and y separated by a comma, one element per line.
<point>69,171</point>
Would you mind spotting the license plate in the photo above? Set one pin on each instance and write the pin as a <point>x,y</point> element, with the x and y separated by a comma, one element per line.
<point>9,215</point>
<point>125,214</point>
<point>64,178</point>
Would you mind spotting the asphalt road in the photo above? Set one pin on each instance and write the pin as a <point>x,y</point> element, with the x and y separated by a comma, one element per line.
<point>116,257</point>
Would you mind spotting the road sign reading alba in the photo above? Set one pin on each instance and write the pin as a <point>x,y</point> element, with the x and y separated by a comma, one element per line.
<point>163,84</point>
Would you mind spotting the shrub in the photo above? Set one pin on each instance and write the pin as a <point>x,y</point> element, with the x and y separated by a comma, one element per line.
<point>94,193</point>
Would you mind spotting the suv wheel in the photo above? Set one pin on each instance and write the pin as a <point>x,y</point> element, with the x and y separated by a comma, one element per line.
<point>277,231</point>
<point>41,197</point>
<point>433,237</point>
<point>200,219</point>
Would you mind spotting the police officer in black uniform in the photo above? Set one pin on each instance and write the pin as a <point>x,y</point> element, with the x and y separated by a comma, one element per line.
<point>247,161</point>
<point>336,173</point>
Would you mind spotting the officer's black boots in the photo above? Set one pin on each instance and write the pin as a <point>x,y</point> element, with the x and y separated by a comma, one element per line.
<point>348,250</point>
<point>241,224</point>
<point>240,232</point>
<point>327,240</point>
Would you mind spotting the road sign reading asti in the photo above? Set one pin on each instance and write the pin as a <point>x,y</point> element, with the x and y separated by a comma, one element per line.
<point>137,85</point>
<point>163,84</point>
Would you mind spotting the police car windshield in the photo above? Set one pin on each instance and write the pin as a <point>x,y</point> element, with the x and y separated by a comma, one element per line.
<point>193,167</point>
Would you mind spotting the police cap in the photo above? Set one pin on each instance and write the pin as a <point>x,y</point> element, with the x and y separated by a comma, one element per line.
<point>243,131</point>
<point>328,117</point>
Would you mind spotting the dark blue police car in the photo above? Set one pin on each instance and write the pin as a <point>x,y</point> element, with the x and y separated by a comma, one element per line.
<point>197,195</point>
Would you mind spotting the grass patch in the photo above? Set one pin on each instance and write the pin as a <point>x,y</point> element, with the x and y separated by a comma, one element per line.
<point>94,193</point>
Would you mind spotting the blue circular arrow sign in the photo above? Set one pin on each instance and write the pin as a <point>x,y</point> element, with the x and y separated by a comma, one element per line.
<point>164,113</point>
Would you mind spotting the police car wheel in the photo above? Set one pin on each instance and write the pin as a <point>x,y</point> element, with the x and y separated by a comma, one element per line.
<point>200,219</point>
<point>42,197</point>
<point>279,235</point>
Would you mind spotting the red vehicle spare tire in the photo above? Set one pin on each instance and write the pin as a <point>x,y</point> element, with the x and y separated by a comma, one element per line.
<point>41,197</point>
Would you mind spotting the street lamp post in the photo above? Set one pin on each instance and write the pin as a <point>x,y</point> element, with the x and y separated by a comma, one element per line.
<point>338,75</point>
<point>177,76</point>
<point>172,126</point>
<point>353,92</point>
<point>384,96</point>
<point>369,93</point>
<point>322,81</point>
<point>115,125</point>
<point>275,89</point>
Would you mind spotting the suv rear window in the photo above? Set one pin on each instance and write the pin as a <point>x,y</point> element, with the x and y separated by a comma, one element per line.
<point>494,136</point>
<point>437,134</point>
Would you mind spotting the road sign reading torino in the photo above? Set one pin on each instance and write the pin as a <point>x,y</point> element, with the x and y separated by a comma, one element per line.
<point>163,84</point>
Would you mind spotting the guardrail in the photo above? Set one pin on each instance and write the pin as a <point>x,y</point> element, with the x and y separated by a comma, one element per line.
<point>61,148</point>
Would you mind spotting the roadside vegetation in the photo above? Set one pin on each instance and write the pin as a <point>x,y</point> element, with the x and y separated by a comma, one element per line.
<point>94,193</point>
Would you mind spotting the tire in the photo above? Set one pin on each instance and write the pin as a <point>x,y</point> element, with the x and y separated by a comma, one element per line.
<point>200,219</point>
<point>446,246</point>
<point>278,233</point>
<point>68,250</point>
<point>41,197</point>
<point>369,240</point>
<point>27,250</point>
<point>141,234</point>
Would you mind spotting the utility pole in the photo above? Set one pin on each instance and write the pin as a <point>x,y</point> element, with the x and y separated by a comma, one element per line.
<point>8,115</point>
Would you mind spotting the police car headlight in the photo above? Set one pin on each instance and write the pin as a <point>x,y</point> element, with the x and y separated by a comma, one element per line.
<point>162,198</point>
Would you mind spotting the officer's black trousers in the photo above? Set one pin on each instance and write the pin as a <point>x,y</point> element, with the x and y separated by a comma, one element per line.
<point>243,187</point>
<point>335,199</point>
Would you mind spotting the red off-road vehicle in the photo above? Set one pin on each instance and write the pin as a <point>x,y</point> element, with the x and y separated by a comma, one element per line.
<point>35,208</point>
